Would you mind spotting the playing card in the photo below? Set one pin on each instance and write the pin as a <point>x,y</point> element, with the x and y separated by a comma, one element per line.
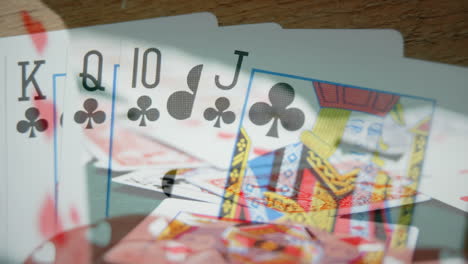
<point>324,151</point>
<point>196,109</point>
<point>147,153</point>
<point>92,77</point>
<point>142,152</point>
<point>173,183</point>
<point>58,85</point>
<point>372,133</point>
<point>385,42</point>
<point>183,161</point>
<point>148,75</point>
<point>91,69</point>
<point>32,211</point>
<point>325,146</point>
<point>136,152</point>
<point>286,110</point>
<point>105,62</point>
<point>450,139</point>
<point>260,188</point>
<point>418,131</point>
<point>35,66</point>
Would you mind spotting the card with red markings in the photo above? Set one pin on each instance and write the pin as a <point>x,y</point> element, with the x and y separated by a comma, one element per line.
<point>175,243</point>
<point>34,70</point>
<point>171,88</point>
<point>266,127</point>
<point>197,238</point>
<point>449,137</point>
<point>33,102</point>
<point>92,76</point>
<point>185,238</point>
<point>339,241</point>
<point>136,152</point>
<point>261,189</point>
<point>38,69</point>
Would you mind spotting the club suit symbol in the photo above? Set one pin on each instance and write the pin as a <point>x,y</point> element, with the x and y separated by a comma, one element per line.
<point>90,114</point>
<point>143,111</point>
<point>220,113</point>
<point>281,95</point>
<point>32,123</point>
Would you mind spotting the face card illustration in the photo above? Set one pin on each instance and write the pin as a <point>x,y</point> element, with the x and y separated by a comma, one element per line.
<point>335,175</point>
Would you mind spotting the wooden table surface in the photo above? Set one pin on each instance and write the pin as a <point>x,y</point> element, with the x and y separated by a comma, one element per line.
<point>435,30</point>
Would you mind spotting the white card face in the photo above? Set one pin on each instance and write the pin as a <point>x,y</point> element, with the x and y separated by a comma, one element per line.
<point>32,143</point>
<point>133,153</point>
<point>378,43</point>
<point>91,77</point>
<point>384,83</point>
<point>446,167</point>
<point>136,152</point>
<point>204,76</point>
<point>34,173</point>
<point>162,67</point>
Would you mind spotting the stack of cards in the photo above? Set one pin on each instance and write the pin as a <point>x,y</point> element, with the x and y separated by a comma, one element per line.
<point>266,125</point>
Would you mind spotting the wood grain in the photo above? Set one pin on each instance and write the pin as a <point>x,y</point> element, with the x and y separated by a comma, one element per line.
<point>434,30</point>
